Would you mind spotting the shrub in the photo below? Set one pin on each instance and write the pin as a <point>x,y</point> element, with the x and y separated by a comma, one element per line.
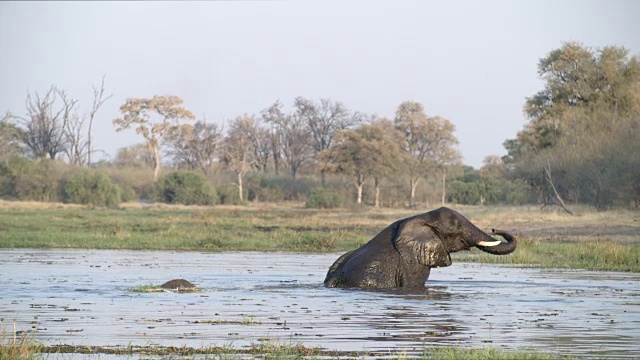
<point>185,187</point>
<point>320,198</point>
<point>127,193</point>
<point>140,180</point>
<point>228,195</point>
<point>37,180</point>
<point>91,187</point>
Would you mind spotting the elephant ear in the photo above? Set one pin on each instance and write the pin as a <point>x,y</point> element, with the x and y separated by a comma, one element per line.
<point>418,242</point>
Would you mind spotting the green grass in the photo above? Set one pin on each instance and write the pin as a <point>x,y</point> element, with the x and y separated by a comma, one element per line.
<point>589,240</point>
<point>270,349</point>
<point>454,353</point>
<point>588,255</point>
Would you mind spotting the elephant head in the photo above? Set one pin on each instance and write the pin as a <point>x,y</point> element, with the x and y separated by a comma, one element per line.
<point>403,254</point>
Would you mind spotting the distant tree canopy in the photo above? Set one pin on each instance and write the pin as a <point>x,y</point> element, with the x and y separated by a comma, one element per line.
<point>581,144</point>
<point>584,127</point>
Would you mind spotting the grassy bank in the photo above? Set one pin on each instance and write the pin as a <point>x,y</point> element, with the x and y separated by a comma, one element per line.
<point>588,240</point>
<point>28,349</point>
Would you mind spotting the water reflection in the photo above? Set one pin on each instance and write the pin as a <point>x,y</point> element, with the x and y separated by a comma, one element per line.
<point>82,297</point>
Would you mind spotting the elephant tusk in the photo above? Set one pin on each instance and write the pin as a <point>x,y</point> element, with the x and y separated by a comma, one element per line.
<point>489,243</point>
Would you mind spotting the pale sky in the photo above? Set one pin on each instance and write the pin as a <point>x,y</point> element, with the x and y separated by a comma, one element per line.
<point>472,62</point>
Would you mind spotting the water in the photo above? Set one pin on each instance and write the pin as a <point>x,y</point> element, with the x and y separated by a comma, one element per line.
<point>83,297</point>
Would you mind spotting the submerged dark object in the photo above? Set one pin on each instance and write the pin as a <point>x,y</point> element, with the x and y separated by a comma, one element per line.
<point>177,284</point>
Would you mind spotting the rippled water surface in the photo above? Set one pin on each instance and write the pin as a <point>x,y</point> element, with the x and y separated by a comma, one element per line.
<point>80,297</point>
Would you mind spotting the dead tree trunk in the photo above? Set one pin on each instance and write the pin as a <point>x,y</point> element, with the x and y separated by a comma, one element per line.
<point>555,199</point>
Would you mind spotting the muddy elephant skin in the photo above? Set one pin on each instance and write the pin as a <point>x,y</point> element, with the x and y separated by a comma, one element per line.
<point>402,255</point>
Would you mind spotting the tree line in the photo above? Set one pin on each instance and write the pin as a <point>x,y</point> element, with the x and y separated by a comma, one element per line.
<point>582,140</point>
<point>580,145</point>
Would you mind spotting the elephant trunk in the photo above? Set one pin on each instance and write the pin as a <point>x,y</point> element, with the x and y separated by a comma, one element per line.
<point>498,247</point>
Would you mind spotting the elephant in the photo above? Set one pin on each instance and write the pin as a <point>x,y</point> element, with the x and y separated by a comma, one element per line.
<point>402,255</point>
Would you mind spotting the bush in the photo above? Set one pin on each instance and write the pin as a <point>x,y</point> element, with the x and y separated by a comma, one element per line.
<point>36,180</point>
<point>320,198</point>
<point>185,187</point>
<point>140,180</point>
<point>262,187</point>
<point>228,195</point>
<point>91,187</point>
<point>128,194</point>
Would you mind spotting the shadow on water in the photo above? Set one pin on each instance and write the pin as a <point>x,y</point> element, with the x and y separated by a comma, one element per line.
<point>81,297</point>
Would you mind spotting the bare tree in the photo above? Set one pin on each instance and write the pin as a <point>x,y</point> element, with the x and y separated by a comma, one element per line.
<point>555,199</point>
<point>79,148</point>
<point>136,113</point>
<point>73,124</point>
<point>99,98</point>
<point>294,136</point>
<point>53,126</point>
<point>261,144</point>
<point>43,132</point>
<point>195,147</point>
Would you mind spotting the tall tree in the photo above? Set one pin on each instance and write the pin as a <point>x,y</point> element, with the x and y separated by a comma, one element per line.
<point>294,136</point>
<point>44,125</point>
<point>10,138</point>
<point>428,143</point>
<point>363,152</point>
<point>237,150</point>
<point>138,113</point>
<point>72,122</point>
<point>581,127</point>
<point>324,120</point>
<point>273,116</point>
<point>99,98</point>
<point>261,145</point>
<point>195,147</point>
<point>387,163</point>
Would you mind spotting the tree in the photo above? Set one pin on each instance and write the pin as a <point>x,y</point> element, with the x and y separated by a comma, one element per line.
<point>53,126</point>
<point>261,146</point>
<point>581,127</point>
<point>99,98</point>
<point>72,124</point>
<point>138,155</point>
<point>10,138</point>
<point>324,120</point>
<point>274,117</point>
<point>362,152</point>
<point>294,137</point>
<point>428,143</point>
<point>79,148</point>
<point>43,132</point>
<point>237,150</point>
<point>195,147</point>
<point>387,163</point>
<point>137,113</point>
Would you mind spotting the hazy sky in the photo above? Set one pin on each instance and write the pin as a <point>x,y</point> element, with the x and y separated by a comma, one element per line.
<point>472,62</point>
